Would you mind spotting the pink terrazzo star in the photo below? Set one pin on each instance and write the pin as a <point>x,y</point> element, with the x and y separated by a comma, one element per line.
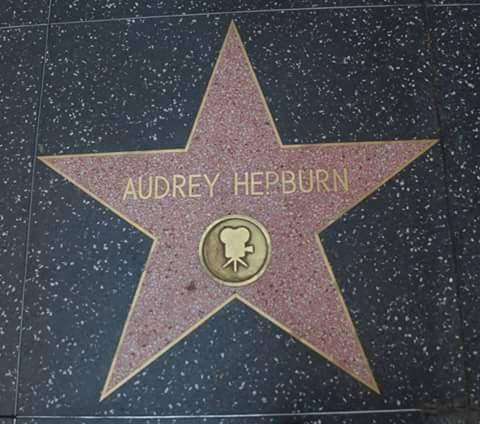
<point>234,132</point>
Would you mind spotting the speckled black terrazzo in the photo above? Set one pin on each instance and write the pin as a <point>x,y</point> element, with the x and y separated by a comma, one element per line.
<point>137,85</point>
<point>385,418</point>
<point>344,75</point>
<point>146,93</point>
<point>457,50</point>
<point>370,418</point>
<point>451,3</point>
<point>402,254</point>
<point>126,86</point>
<point>328,76</point>
<point>20,65</point>
<point>80,10</point>
<point>23,12</point>
<point>85,264</point>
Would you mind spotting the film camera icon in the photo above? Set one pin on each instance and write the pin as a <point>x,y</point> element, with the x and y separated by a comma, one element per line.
<point>235,246</point>
<point>235,250</point>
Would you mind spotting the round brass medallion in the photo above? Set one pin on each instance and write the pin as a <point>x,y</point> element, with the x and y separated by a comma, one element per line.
<point>235,250</point>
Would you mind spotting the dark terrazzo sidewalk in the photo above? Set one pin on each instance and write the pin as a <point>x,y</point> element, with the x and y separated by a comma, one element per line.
<point>406,258</point>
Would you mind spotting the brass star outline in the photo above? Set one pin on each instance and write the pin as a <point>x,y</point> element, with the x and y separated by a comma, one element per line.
<point>427,143</point>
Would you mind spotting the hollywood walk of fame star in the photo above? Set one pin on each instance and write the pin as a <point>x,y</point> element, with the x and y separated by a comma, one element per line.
<point>234,133</point>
